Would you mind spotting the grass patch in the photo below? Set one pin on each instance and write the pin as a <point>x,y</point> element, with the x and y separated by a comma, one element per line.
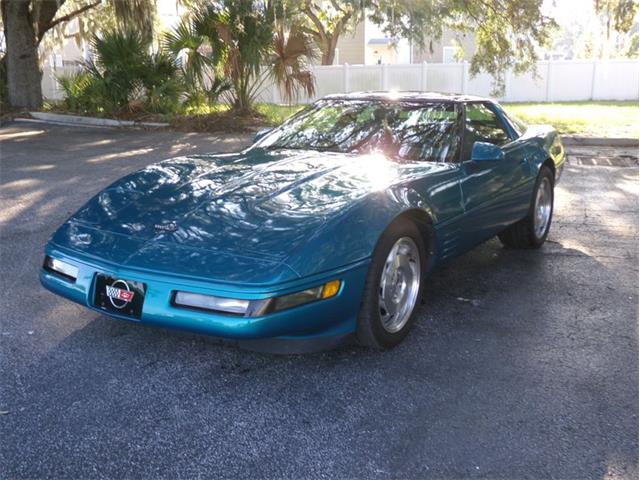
<point>223,120</point>
<point>276,114</point>
<point>134,115</point>
<point>219,118</point>
<point>596,119</point>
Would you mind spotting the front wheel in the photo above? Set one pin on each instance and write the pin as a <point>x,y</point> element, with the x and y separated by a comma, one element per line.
<point>532,231</point>
<point>393,287</point>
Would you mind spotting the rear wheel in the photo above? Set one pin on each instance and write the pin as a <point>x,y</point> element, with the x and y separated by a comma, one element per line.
<point>393,287</point>
<point>532,231</point>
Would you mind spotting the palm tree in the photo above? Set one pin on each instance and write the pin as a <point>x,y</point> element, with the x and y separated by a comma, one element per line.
<point>290,69</point>
<point>198,62</point>
<point>243,40</point>
<point>241,33</point>
<point>184,39</point>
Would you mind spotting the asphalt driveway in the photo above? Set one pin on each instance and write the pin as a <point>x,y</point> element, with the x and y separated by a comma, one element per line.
<point>521,364</point>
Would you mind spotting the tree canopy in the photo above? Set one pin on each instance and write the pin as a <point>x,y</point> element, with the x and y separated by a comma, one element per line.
<point>507,32</point>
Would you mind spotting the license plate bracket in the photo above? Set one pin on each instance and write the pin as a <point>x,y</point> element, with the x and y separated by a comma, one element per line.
<point>119,296</point>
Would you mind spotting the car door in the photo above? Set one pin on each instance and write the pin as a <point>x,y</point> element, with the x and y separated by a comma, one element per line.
<point>431,136</point>
<point>494,191</point>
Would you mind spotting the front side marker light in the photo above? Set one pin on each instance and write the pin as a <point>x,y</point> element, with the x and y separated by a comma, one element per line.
<point>331,289</point>
<point>61,268</point>
<point>321,292</point>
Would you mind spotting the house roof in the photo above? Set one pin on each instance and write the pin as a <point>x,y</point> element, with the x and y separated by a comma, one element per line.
<point>379,41</point>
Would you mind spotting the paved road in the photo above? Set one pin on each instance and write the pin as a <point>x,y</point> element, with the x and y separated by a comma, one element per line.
<point>521,364</point>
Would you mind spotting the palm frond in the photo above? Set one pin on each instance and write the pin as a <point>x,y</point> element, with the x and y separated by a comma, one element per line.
<point>185,40</point>
<point>138,15</point>
<point>293,52</point>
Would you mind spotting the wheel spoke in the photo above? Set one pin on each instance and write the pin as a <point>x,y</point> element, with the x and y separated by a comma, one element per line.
<point>399,284</point>
<point>542,208</point>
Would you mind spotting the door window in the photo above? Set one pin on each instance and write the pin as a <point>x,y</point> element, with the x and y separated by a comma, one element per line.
<point>482,125</point>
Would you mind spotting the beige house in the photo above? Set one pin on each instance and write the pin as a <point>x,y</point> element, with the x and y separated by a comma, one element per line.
<point>350,48</point>
<point>446,49</point>
<point>368,45</point>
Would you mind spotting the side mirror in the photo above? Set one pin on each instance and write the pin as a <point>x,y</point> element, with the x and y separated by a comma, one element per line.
<point>261,134</point>
<point>483,151</point>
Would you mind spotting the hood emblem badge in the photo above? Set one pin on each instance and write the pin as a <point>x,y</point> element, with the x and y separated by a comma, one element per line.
<point>119,297</point>
<point>165,227</point>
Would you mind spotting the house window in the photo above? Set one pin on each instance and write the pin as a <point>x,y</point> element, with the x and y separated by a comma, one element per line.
<point>449,54</point>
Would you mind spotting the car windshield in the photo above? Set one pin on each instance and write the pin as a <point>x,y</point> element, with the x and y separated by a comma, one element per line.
<point>403,130</point>
<point>520,126</point>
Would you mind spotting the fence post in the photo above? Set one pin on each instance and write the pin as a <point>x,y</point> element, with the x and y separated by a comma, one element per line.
<point>384,76</point>
<point>423,77</point>
<point>346,77</point>
<point>507,85</point>
<point>465,76</point>
<point>547,92</point>
<point>594,76</point>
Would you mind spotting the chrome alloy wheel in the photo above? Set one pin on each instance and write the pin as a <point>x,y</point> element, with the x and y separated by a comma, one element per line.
<point>542,208</point>
<point>399,284</point>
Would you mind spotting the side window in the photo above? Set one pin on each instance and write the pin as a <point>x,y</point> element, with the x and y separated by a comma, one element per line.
<point>481,125</point>
<point>428,133</point>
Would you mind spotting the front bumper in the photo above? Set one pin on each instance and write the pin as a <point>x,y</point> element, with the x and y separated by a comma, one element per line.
<point>559,170</point>
<point>331,318</point>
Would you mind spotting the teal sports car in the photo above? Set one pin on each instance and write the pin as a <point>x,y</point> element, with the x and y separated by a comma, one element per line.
<point>325,229</point>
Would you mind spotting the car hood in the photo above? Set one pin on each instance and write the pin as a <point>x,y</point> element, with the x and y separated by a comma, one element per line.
<point>187,213</point>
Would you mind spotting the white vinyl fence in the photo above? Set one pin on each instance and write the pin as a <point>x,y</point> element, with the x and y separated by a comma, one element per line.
<point>554,81</point>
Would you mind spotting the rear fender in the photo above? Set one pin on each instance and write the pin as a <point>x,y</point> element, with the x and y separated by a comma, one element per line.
<point>547,146</point>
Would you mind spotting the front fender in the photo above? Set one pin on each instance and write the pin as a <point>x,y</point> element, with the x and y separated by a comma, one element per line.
<point>352,235</point>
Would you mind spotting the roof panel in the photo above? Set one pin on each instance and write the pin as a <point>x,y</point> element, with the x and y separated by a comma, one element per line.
<point>407,95</point>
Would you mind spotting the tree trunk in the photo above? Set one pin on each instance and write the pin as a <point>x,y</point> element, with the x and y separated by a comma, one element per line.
<point>328,55</point>
<point>23,72</point>
<point>329,48</point>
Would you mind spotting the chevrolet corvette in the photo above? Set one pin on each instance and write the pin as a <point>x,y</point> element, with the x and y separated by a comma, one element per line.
<point>324,229</point>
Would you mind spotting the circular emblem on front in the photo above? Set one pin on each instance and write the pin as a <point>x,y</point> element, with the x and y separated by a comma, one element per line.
<point>119,294</point>
<point>165,227</point>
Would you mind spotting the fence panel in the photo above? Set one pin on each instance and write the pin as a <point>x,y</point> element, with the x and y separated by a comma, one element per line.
<point>570,80</point>
<point>443,77</point>
<point>364,77</point>
<point>329,80</point>
<point>616,80</point>
<point>553,81</point>
<point>529,86</point>
<point>481,85</point>
<point>405,77</point>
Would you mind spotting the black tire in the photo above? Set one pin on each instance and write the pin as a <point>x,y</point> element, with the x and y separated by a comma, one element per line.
<point>522,234</point>
<point>370,330</point>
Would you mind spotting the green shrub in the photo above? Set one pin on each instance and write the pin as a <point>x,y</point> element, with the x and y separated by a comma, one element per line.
<point>162,84</point>
<point>80,91</point>
<point>124,77</point>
